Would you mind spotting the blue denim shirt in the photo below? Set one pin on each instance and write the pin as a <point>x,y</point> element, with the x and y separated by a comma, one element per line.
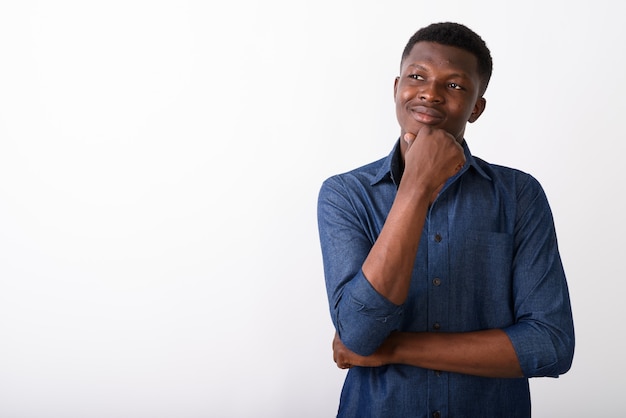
<point>488,258</point>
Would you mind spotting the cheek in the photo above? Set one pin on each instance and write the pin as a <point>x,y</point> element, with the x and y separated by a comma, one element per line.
<point>461,112</point>
<point>404,95</point>
<point>402,98</point>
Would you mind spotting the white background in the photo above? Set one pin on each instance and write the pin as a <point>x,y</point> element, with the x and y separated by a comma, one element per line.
<point>159,169</point>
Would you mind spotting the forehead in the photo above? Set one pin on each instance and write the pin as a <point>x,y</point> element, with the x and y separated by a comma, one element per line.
<point>434,55</point>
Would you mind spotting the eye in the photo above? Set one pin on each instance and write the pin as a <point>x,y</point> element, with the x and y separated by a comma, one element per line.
<point>455,86</point>
<point>416,77</point>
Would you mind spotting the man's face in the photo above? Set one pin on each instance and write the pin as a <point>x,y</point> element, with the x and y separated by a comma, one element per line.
<point>438,86</point>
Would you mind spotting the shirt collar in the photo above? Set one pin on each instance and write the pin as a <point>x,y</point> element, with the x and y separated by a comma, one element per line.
<point>393,166</point>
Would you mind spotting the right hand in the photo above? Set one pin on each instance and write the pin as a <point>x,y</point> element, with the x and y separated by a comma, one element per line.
<point>431,157</point>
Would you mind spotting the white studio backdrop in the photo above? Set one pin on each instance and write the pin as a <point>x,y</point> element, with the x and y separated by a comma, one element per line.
<point>159,169</point>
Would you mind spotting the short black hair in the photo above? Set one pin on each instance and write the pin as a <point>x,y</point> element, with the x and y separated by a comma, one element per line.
<point>460,36</point>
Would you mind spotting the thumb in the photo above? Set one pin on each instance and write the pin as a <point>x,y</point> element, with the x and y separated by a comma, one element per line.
<point>409,138</point>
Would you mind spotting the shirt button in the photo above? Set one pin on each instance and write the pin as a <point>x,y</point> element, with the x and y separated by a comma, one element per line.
<point>437,372</point>
<point>436,325</point>
<point>436,414</point>
<point>436,281</point>
<point>437,237</point>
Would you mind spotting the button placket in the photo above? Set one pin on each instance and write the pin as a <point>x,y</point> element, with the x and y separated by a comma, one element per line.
<point>437,284</point>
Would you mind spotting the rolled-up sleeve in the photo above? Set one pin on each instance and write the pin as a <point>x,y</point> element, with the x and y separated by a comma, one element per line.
<point>362,317</point>
<point>543,334</point>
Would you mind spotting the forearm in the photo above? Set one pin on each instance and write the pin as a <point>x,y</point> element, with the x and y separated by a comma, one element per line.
<point>389,264</point>
<point>486,353</point>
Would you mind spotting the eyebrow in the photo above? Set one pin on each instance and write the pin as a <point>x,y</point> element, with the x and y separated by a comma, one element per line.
<point>422,68</point>
<point>418,66</point>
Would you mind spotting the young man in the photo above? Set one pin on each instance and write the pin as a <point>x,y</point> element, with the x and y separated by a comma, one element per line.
<point>443,274</point>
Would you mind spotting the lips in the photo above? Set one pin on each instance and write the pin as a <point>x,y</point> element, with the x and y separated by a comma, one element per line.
<point>427,115</point>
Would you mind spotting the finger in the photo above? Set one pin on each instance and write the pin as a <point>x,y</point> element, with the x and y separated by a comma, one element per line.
<point>409,138</point>
<point>461,164</point>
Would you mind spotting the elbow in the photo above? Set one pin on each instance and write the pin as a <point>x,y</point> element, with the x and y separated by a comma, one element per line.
<point>363,332</point>
<point>565,356</point>
<point>358,346</point>
<point>563,344</point>
<point>363,340</point>
<point>543,351</point>
<point>556,358</point>
<point>363,322</point>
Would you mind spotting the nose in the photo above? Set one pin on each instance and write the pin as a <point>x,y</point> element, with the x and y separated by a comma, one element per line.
<point>430,93</point>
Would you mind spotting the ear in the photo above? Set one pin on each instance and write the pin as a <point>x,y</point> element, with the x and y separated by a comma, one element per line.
<point>478,110</point>
<point>395,88</point>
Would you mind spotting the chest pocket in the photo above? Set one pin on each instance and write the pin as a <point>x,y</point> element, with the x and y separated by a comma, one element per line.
<point>487,254</point>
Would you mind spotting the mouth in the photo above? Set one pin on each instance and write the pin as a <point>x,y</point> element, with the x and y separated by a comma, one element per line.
<point>427,115</point>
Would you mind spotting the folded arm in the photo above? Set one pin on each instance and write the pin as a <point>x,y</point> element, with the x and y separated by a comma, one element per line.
<point>486,353</point>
